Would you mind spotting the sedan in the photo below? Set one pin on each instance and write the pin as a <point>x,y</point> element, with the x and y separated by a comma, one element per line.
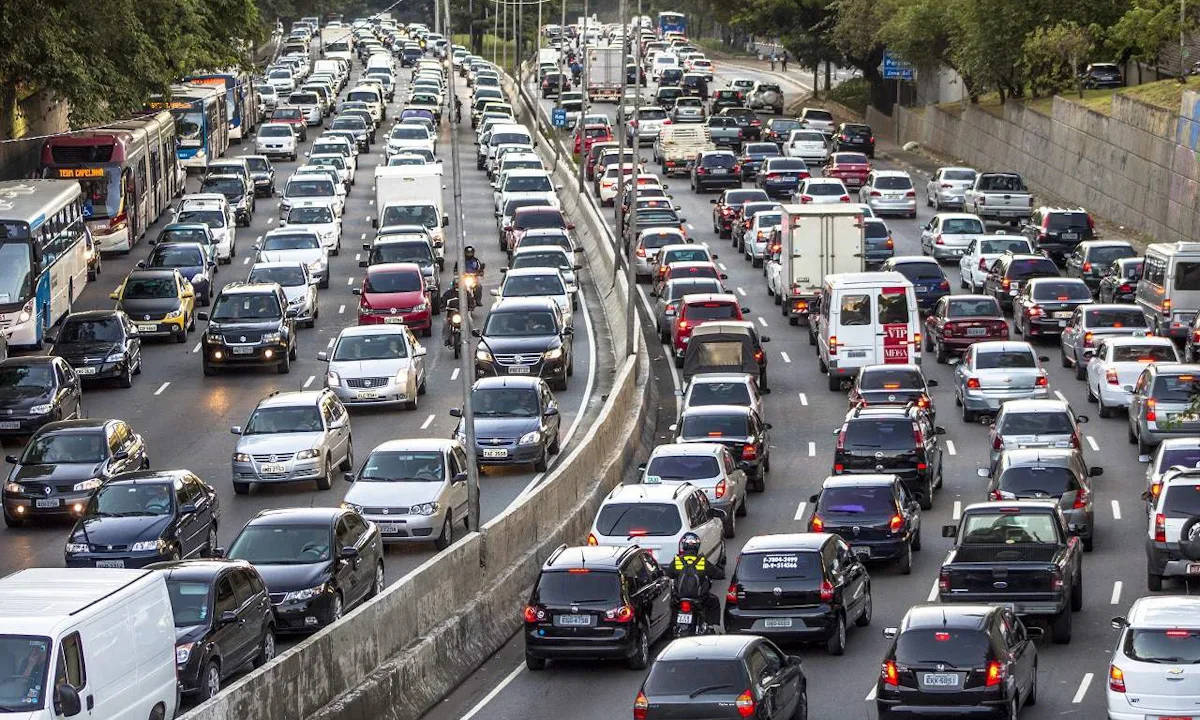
<point>738,428</point>
<point>949,235</point>
<point>1042,423</point>
<point>948,186</point>
<point>981,254</point>
<point>376,365</point>
<point>994,372</point>
<point>849,167</point>
<point>296,245</point>
<point>517,422</point>
<point>667,300</point>
<point>100,344</point>
<point>753,155</point>
<point>35,390</point>
<point>892,385</point>
<point>889,191</point>
<point>1045,306</point>
<point>688,110</point>
<point>821,191</point>
<point>1116,365</point>
<point>779,177</point>
<point>807,145</point>
<point>1091,323</point>
<point>959,321</point>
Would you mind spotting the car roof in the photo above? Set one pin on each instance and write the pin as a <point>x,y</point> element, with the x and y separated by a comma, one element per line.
<point>933,617</point>
<point>147,477</point>
<point>671,493</point>
<point>1174,368</point>
<point>703,378</point>
<point>853,481</point>
<point>75,426</point>
<point>534,270</point>
<point>707,647</point>
<point>152,272</point>
<point>1025,457</point>
<point>105,314</point>
<point>507,381</point>
<point>1164,612</point>
<point>709,410</point>
<point>1046,280</point>
<point>786,541</point>
<point>891,173</point>
<point>198,568</point>
<point>276,264</point>
<point>1003,346</point>
<point>1035,405</point>
<point>524,304</point>
<point>442,444</point>
<point>957,216</point>
<point>675,449</point>
<point>709,297</point>
<point>396,267</point>
<point>371,330</point>
<point>292,398</point>
<point>297,516</point>
<point>598,557</point>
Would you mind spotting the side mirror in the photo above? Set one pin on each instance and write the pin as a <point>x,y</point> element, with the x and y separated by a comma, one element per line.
<point>291,313</point>
<point>445,221</point>
<point>716,514</point>
<point>67,700</point>
<point>1044,358</point>
<point>814,498</point>
<point>1035,633</point>
<point>949,531</point>
<point>1095,471</point>
<point>477,333</point>
<point>12,459</point>
<point>890,633</point>
<point>114,296</point>
<point>362,263</point>
<point>551,411</point>
<point>745,309</point>
<point>141,265</point>
<point>1076,528</point>
<point>348,476</point>
<point>1143,458</point>
<point>724,276</point>
<point>712,202</point>
<point>349,553</point>
<point>982,472</point>
<point>121,455</point>
<point>356,291</point>
<point>495,292</point>
<point>236,430</point>
<point>765,339</point>
<point>1118,623</point>
<point>1082,419</point>
<point>1127,388</point>
<point>421,351</point>
<point>939,430</point>
<point>187,509</point>
<point>375,222</point>
<point>456,412</point>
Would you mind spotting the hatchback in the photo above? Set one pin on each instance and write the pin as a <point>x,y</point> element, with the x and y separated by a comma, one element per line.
<point>899,440</point>
<point>293,436</point>
<point>709,466</point>
<point>668,297</point>
<point>874,513</point>
<point>849,167</point>
<point>1008,274</point>
<point>853,136</point>
<point>1154,667</point>
<point>738,428</point>
<point>1058,231</point>
<point>1171,512</point>
<point>892,384</point>
<point>161,303</point>
<point>780,176</point>
<point>656,517</point>
<point>395,293</point>
<point>1093,258</point>
<point>1046,423</point>
<point>35,390</point>
<point>889,191</point>
<point>822,190</point>
<point>948,235</point>
<point>807,145</point>
<point>1090,324</point>
<point>102,344</point>
<point>1117,362</point>
<point>1120,280</point>
<point>376,365</point>
<point>1057,473</point>
<point>1160,404</point>
<point>879,246</point>
<point>296,245</point>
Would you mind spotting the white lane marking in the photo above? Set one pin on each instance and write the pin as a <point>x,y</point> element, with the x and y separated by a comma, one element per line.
<point>957,511</point>
<point>309,381</point>
<point>871,695</point>
<point>349,281</point>
<point>258,239</point>
<point>270,221</point>
<point>369,218</point>
<point>331,340</point>
<point>371,203</point>
<point>454,375</point>
<point>1058,394</point>
<point>1092,442</point>
<point>196,348</point>
<point>803,399</point>
<point>1116,510</point>
<point>364,236</point>
<point>162,388</point>
<point>762,320</point>
<point>950,447</point>
<point>800,511</point>
<point>1116,596</point>
<point>246,261</point>
<point>357,257</point>
<point>494,692</point>
<point>812,449</point>
<point>428,421</point>
<point>933,592</point>
<point>691,226</point>
<point>1083,688</point>
<point>341,309</point>
<point>741,292</point>
<point>786,359</point>
<point>722,266</point>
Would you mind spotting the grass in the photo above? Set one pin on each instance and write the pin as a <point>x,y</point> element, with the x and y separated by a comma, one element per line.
<point>716,46</point>
<point>489,42</point>
<point>1162,93</point>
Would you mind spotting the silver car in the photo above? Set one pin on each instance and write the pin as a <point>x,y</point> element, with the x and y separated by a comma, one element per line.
<point>648,245</point>
<point>376,365</point>
<point>689,110</point>
<point>948,235</point>
<point>739,389</point>
<point>948,187</point>
<point>293,437</point>
<point>708,466</point>
<point>666,304</point>
<point>414,490</point>
<point>994,372</point>
<point>1045,423</point>
<point>1160,404</point>
<point>890,192</point>
<point>550,256</point>
<point>299,285</point>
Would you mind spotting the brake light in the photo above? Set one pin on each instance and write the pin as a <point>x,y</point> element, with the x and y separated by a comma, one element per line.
<point>1033,311</point>
<point>1125,288</point>
<point>737,168</point>
<point>946,186</point>
<point>1056,581</point>
<point>833,343</point>
<point>1166,305</point>
<point>641,252</point>
<point>896,524</point>
<point>1087,339</point>
<point>591,539</point>
<point>1087,267</point>
<point>1006,284</point>
<point>685,606</point>
<point>876,193</point>
<point>1075,440</point>
<point>1042,381</point>
<point>1151,415</point>
<point>1160,528</point>
<point>890,244</point>
<point>719,491</point>
<point>1111,377</point>
<point>948,330</point>
<point>943,580</point>
<point>888,673</point>
<point>682,324</point>
<point>1081,498</point>
<point>844,198</point>
<point>622,614</point>
<point>972,383</point>
<point>640,706</point>
<point>749,452</point>
<point>1155,488</point>
<point>997,443</point>
<point>983,264</point>
<point>997,495</point>
<point>944,285</point>
<point>937,239</point>
<point>817,524</point>
<point>531,614</point>
<point>826,591</point>
<point>1116,679</point>
<point>995,674</point>
<point>731,595</point>
<point>804,199</point>
<point>910,193</point>
<point>745,704</point>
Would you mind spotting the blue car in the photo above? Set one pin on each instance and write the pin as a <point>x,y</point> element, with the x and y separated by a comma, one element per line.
<point>753,156</point>
<point>929,282</point>
<point>880,246</point>
<point>780,176</point>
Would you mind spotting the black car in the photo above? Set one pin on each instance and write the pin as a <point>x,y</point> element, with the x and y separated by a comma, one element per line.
<point>143,517</point>
<point>517,421</point>
<point>237,191</point>
<point>263,174</point>
<point>635,75</point>
<point>780,177</point>
<point>694,85</point>
<point>1010,272</point>
<point>35,390</point>
<point>798,587</point>
<point>893,385</point>
<point>356,126</point>
<point>553,83</point>
<point>727,207</point>
<point>250,325</point>
<point>1057,231</point>
<point>100,345</point>
<point>1092,258</point>
<point>722,99</point>
<point>64,463</point>
<point>1101,75</point>
<point>595,603</point>
<point>900,440</point>
<point>1120,280</point>
<point>874,513</point>
<point>223,621</point>
<point>856,137</point>
<point>715,169</point>
<point>667,95</point>
<point>706,677</point>
<point>525,336</point>
<point>318,563</point>
<point>969,660</point>
<point>746,119</point>
<point>777,129</point>
<point>191,260</point>
<point>738,428</point>
<point>1045,305</point>
<point>753,155</point>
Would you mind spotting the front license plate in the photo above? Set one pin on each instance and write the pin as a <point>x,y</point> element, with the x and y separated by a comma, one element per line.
<point>85,370</point>
<point>274,468</point>
<point>977,332</point>
<point>683,618</point>
<point>242,350</point>
<point>941,679</point>
<point>495,453</point>
<point>518,370</point>
<point>777,623</point>
<point>389,528</point>
<point>110,563</point>
<point>393,320</point>
<point>47,503</point>
<point>573,620</point>
<point>147,328</point>
<point>367,395</point>
<point>9,425</point>
<point>861,550</point>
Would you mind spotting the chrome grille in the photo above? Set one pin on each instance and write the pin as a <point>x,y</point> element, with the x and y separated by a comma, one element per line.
<point>243,337</point>
<point>523,359</point>
<point>374,382</point>
<point>385,511</point>
<point>275,457</point>
<point>108,548</point>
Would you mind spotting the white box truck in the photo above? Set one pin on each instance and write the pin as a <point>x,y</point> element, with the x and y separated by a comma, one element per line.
<point>814,241</point>
<point>412,195</point>
<point>605,73</point>
<point>87,643</point>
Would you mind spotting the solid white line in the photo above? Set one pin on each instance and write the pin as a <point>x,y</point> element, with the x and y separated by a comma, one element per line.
<point>933,592</point>
<point>812,449</point>
<point>454,375</point>
<point>1092,442</point>
<point>786,359</point>
<point>957,511</point>
<point>803,399</point>
<point>341,309</point>
<point>161,388</point>
<point>871,695</point>
<point>349,281</point>
<point>1116,596</point>
<point>246,261</point>
<point>1116,510</point>
<point>309,381</point>
<point>800,511</point>
<point>1058,394</point>
<point>741,292</point>
<point>331,341</point>
<point>258,239</point>
<point>494,692</point>
<point>950,447</point>
<point>196,349</point>
<point>428,421</point>
<point>762,320</point>
<point>1083,688</point>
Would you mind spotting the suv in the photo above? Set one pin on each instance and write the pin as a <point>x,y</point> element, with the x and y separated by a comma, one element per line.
<point>715,168</point>
<point>1178,500</point>
<point>1057,231</point>
<point>874,512</point>
<point>1158,632</point>
<point>525,336</point>
<point>597,602</point>
<point>892,439</point>
<point>293,437</point>
<point>655,517</point>
<point>1009,273</point>
<point>706,465</point>
<point>1159,404</point>
<point>1057,473</point>
<point>249,324</point>
<point>1092,259</point>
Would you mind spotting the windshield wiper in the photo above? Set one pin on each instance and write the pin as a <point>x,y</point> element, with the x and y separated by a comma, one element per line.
<point>706,689</point>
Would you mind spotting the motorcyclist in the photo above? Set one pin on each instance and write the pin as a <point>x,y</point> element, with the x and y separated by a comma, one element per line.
<point>450,302</point>
<point>692,576</point>
<point>473,265</point>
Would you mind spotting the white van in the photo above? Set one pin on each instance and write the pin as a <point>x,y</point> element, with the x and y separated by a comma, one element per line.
<point>1169,291</point>
<point>103,640</point>
<point>867,318</point>
<point>372,95</point>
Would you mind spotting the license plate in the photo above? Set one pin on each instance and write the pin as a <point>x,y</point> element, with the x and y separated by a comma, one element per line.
<point>495,453</point>
<point>977,332</point>
<point>110,563</point>
<point>9,425</point>
<point>518,370</point>
<point>856,353</point>
<point>53,503</point>
<point>941,679</point>
<point>389,528</point>
<point>147,327</point>
<point>573,620</point>
<point>921,290</point>
<point>1063,315</point>
<point>861,550</point>
<point>393,320</point>
<point>1175,717</point>
<point>1070,236</point>
<point>367,395</point>
<point>1062,323</point>
<point>274,468</point>
<point>1193,569</point>
<point>720,171</point>
<point>85,370</point>
<point>683,618</point>
<point>777,623</point>
<point>242,350</point>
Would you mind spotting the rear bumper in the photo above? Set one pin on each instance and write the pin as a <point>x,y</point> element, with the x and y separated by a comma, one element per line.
<point>806,624</point>
<point>1035,605</point>
<point>619,645</point>
<point>976,401</point>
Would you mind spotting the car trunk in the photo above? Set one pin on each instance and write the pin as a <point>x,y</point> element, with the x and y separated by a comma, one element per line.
<point>782,579</point>
<point>1021,567</point>
<point>942,662</point>
<point>695,689</point>
<point>1008,379</point>
<point>1161,676</point>
<point>880,445</point>
<point>981,328</point>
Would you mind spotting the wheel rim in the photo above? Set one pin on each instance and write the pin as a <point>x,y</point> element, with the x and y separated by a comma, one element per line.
<point>378,579</point>
<point>869,609</point>
<point>269,647</point>
<point>644,644</point>
<point>213,682</point>
<point>212,538</point>
<point>337,607</point>
<point>841,631</point>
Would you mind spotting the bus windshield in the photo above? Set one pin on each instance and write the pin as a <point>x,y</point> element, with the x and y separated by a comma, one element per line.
<point>189,126</point>
<point>101,195</point>
<point>16,271</point>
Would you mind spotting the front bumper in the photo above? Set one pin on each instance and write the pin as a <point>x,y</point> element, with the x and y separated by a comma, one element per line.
<point>285,471</point>
<point>509,453</point>
<point>619,644</point>
<point>244,355</point>
<point>69,504</point>
<point>132,560</point>
<point>803,624</point>
<point>11,426</point>
<point>417,321</point>
<point>303,615</point>
<point>390,394</point>
<point>98,370</point>
<point>395,529</point>
<point>546,369</point>
<point>160,328</point>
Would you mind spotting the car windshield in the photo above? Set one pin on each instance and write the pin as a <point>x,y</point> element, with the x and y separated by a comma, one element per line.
<point>1130,317</point>
<point>224,186</point>
<point>1037,481</point>
<point>403,466</point>
<point>189,602</point>
<point>25,656</point>
<point>719,393</point>
<point>241,306</point>
<point>951,646</point>
<point>531,285</point>
<point>130,500</point>
<point>973,307</point>
<point>425,215</point>
<point>331,148</point>
<point>694,678</point>
<point>393,282</point>
<point>318,215</point>
<point>1009,528</point>
<point>1004,360</point>
<point>289,276</point>
<point>211,218</point>
<point>778,565</point>
<point>578,585</point>
<point>348,122</point>
<point>891,379</point>
<point>1065,290</point>
<point>539,220</point>
<point>409,132</point>
<point>711,311</point>
<point>176,256</point>
<point>106,330</point>
<point>275,420</point>
<point>528,183</point>
<point>962,226</point>
<point>395,252</point>
<point>257,164</point>
<point>150,288</point>
<point>65,447</point>
<point>386,346</point>
<point>879,433</point>
<point>1042,422</point>
<point>291,242</point>
<point>1144,353</point>
<point>310,188</point>
<point>283,545</point>
<point>714,426</point>
<point>999,247</point>
<point>1176,646</point>
<point>505,402</point>
<point>722,160</point>
<point>1175,388</point>
<point>197,235</point>
<point>915,271</point>
<point>684,467</point>
<point>275,131</point>
<point>620,519</point>
<point>655,217</point>
<point>520,324</point>
<point>873,500</point>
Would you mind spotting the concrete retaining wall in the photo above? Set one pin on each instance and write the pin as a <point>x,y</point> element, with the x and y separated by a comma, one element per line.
<point>1136,167</point>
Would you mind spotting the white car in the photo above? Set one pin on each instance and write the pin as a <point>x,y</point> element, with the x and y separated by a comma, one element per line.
<point>337,162</point>
<point>982,252</point>
<point>296,245</point>
<point>525,184</point>
<point>214,211</point>
<point>948,235</point>
<point>808,145</point>
<point>758,236</point>
<point>321,220</point>
<point>537,282</point>
<point>948,186</point>
<point>376,365</point>
<point>407,136</point>
<point>299,286</point>
<point>520,161</point>
<point>550,256</point>
<point>282,80</point>
<point>655,517</point>
<point>276,140</point>
<point>817,119</point>
<point>339,188</point>
<point>608,183</point>
<point>1152,673</point>
<point>821,191</point>
<point>308,190</point>
<point>703,66</point>
<point>1116,365</point>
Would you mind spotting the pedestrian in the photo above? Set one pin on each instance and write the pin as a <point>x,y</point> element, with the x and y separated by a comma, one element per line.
<point>772,62</point>
<point>783,61</point>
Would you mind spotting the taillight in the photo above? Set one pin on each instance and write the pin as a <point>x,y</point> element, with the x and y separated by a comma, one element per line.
<point>682,324</point>
<point>890,244</point>
<point>641,252</point>
<point>671,307</point>
<point>685,606</point>
<point>943,580</point>
<point>1033,311</point>
<point>719,490</point>
<point>888,673</point>
<point>1125,288</point>
<point>749,452</point>
<point>1042,381</point>
<point>995,674</point>
<point>1075,440</point>
<point>1087,339</point>
<point>1111,378</point>
<point>983,264</point>
<point>833,343</point>
<point>997,443</point>
<point>948,330</point>
<point>944,285</point>
<point>1087,267</point>
<point>640,706</point>
<point>910,193</point>
<point>1116,679</point>
<point>844,198</point>
<point>876,193</point>
<point>1006,284</point>
<point>804,199</point>
<point>1081,498</point>
<point>731,595</point>
<point>817,524</point>
<point>621,614</point>
<point>1166,305</point>
<point>1160,528</point>
<point>1151,415</point>
<point>826,591</point>
<point>937,239</point>
<point>1056,580</point>
<point>896,524</point>
<point>745,704</point>
<point>997,495</point>
<point>591,539</point>
<point>972,383</point>
<point>532,614</point>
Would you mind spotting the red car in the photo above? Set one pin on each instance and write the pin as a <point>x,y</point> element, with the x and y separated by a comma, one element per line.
<point>591,134</point>
<point>851,168</point>
<point>529,218</point>
<point>960,321</point>
<point>293,116</point>
<point>695,310</point>
<point>395,293</point>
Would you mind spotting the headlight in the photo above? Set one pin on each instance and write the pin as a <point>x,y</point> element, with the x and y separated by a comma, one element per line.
<point>174,314</point>
<point>469,280</point>
<point>332,378</point>
<point>306,594</point>
<point>483,356</point>
<point>213,338</point>
<point>182,653</point>
<point>554,354</point>
<point>241,457</point>
<point>307,454</point>
<point>41,409</point>
<point>73,548</point>
<point>148,545</point>
<point>456,318</point>
<point>428,508</point>
<point>115,358</point>
<point>86,485</point>
<point>270,337</point>
<point>420,308</point>
<point>530,438</point>
<point>352,506</point>
<point>13,487</point>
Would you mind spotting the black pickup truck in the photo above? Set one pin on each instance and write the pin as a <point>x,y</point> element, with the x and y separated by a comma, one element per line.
<point>1022,554</point>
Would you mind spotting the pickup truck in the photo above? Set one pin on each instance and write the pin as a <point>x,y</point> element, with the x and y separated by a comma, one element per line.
<point>1020,553</point>
<point>725,132</point>
<point>677,146</point>
<point>999,197</point>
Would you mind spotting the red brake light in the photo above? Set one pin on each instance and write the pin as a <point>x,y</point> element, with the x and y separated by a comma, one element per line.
<point>749,452</point>
<point>1179,633</point>
<point>1043,381</point>
<point>1111,377</point>
<point>731,595</point>
<point>997,443</point>
<point>805,199</point>
<point>844,198</point>
<point>1151,415</point>
<point>943,581</point>
<point>685,606</point>
<point>641,252</point>
<point>995,674</point>
<point>640,706</point>
<point>1116,679</point>
<point>622,614</point>
<point>1160,528</point>
<point>816,524</point>
<point>941,636</point>
<point>910,193</point>
<point>1087,267</point>
<point>1087,339</point>
<point>972,383</point>
<point>826,591</point>
<point>896,524</point>
<point>531,614</point>
<point>1081,498</point>
<point>982,264</point>
<point>719,491</point>
<point>876,193</point>
<point>889,674</point>
<point>745,704</point>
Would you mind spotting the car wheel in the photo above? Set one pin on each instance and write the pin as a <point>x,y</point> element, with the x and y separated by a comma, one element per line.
<point>13,522</point>
<point>535,664</point>
<point>641,656</point>
<point>335,609</point>
<point>347,463</point>
<point>916,541</point>
<point>1060,628</point>
<point>325,482</point>
<point>836,644</point>
<point>1080,369</point>
<point>379,582</point>
<point>905,564</point>
<point>241,488</point>
<point>1031,698</point>
<point>1062,357</point>
<point>942,356</point>
<point>210,543</point>
<point>730,525</point>
<point>801,712</point>
<point>1105,411</point>
<point>539,465</point>
<point>209,370</point>
<point>266,648</point>
<point>285,365</point>
<point>210,683</point>
<point>864,619</point>
<point>126,379</point>
<point>1153,581</point>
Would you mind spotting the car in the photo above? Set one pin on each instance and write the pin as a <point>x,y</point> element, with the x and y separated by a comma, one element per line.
<point>982,253</point>
<point>296,245</point>
<point>973,659</point>
<point>549,257</point>
<point>994,372</point>
<point>63,464</point>
<point>361,131</point>
<point>318,563</point>
<point>725,98</point>
<point>879,246</point>
<point>376,365</point>
<point>854,137</point>
<point>159,301</point>
<point>223,621</point>
<point>517,422</point>
<point>1166,390</point>
<point>667,300</point>
<point>619,600</point>
<point>405,136</point>
<point>949,235</point>
<point>238,190</point>
<point>895,439</point>
<point>709,466</point>
<point>821,191</point>
<point>778,129</point>
<point>1153,633</point>
<point>100,345</point>
<point>875,513</point>
<point>688,110</point>
<point>294,117</point>
<point>695,310</point>
<point>1171,453</point>
<point>35,390</point>
<point>1008,274</point>
<point>1093,322</point>
<point>805,587</point>
<point>395,293</point>
<point>926,275</point>
<point>1120,280</point>
<point>757,238</point>
<point>743,218</point>
<point>311,189</point>
<point>195,232</point>
<point>715,168</point>
<point>655,517</point>
<point>525,337</point>
<point>737,427</point>
<point>1101,75</point>
<point>959,321</point>
<point>753,155</point>
<point>739,389</point>
<point>1092,258</point>
<point>532,217</point>
<point>947,187</point>
<point>299,286</point>
<point>141,517</point>
<point>1045,306</point>
<point>817,119</point>
<point>320,219</point>
<point>193,262</point>
<point>276,140</point>
<point>250,324</point>
<point>1055,473</point>
<point>1038,423</point>
<point>1117,362</point>
<point>781,176</point>
<point>414,490</point>
<point>1058,231</point>
<point>1169,526</point>
<point>727,207</point>
<point>889,191</point>
<point>892,384</point>
<point>763,682</point>
<point>214,211</point>
<point>537,282</point>
<point>293,436</point>
<point>807,145</point>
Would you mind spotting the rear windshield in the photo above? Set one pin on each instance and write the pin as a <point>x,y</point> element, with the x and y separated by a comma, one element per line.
<point>817,115</point>
<point>1116,318</point>
<point>1187,457</point>
<point>850,158</point>
<point>1029,480</point>
<point>1035,423</point>
<point>1183,500</point>
<point>962,226</point>
<point>654,241</point>
<point>685,677</point>
<point>1175,388</point>
<point>787,166</point>
<point>857,501</point>
<point>762,149</point>
<point>1010,528</point>
<point>919,270</point>
<point>563,588</point>
<point>676,290</point>
<point>1002,183</point>
<point>781,565</point>
<point>893,182</point>
<point>824,188</point>
<point>1105,255</point>
<point>711,311</point>
<point>714,426</point>
<point>1065,290</point>
<point>891,379</point>
<point>1004,360</point>
<point>999,247</point>
<point>968,175</point>
<point>954,647</point>
<point>1032,267</point>
<point>684,467</point>
<point>1174,646</point>
<point>637,519</point>
<point>982,307</point>
<point>879,434</point>
<point>1144,353</point>
<point>719,393</point>
<point>877,230</point>
<point>1067,221</point>
<point>741,197</point>
<point>726,161</point>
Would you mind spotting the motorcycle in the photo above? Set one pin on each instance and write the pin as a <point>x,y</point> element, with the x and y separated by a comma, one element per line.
<point>690,618</point>
<point>454,336</point>
<point>474,286</point>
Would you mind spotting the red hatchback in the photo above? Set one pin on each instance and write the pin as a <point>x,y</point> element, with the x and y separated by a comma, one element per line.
<point>395,293</point>
<point>851,168</point>
<point>695,310</point>
<point>960,321</point>
<point>591,134</point>
<point>293,116</point>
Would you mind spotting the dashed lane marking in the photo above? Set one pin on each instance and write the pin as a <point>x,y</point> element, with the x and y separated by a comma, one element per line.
<point>309,381</point>
<point>1083,688</point>
<point>1116,510</point>
<point>933,592</point>
<point>341,309</point>
<point>428,421</point>
<point>812,449</point>
<point>349,281</point>
<point>803,399</point>
<point>950,447</point>
<point>786,359</point>
<point>196,348</point>
<point>1092,443</point>
<point>762,320</point>
<point>331,341</point>
<point>800,511</point>
<point>246,261</point>
<point>162,388</point>
<point>454,375</point>
<point>1116,595</point>
<point>722,266</point>
<point>957,510</point>
<point>741,292</point>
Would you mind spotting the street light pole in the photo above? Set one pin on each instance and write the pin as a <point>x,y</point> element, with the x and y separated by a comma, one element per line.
<point>622,137</point>
<point>495,33</point>
<point>582,44</point>
<point>630,274</point>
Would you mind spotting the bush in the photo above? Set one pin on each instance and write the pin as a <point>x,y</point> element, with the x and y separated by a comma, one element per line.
<point>854,93</point>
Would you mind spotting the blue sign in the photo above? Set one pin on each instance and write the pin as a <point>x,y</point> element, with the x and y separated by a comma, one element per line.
<point>895,69</point>
<point>558,117</point>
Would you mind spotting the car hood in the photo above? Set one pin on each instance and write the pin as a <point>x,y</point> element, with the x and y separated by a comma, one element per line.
<point>236,326</point>
<point>519,345</point>
<point>369,368</point>
<point>190,633</point>
<point>319,228</point>
<point>89,349</point>
<point>278,443</point>
<point>188,271</point>
<point>155,308</point>
<point>392,494</point>
<point>119,530</point>
<point>503,427</point>
<point>56,473</point>
<point>286,578</point>
<point>394,300</point>
<point>20,397</point>
<point>305,256</point>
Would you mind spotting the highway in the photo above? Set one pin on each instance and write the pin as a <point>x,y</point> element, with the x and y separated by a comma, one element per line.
<point>805,414</point>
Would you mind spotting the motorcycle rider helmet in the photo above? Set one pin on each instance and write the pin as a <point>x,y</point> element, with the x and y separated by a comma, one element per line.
<point>469,252</point>
<point>689,544</point>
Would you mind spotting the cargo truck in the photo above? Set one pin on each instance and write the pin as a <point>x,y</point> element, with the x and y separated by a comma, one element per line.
<point>677,146</point>
<point>812,242</point>
<point>412,195</point>
<point>605,73</point>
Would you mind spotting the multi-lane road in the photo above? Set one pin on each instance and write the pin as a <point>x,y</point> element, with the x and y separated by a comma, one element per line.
<point>804,414</point>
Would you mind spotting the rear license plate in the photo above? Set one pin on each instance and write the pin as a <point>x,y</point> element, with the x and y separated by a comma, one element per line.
<point>147,328</point>
<point>9,425</point>
<point>389,528</point>
<point>861,550</point>
<point>393,320</point>
<point>1175,717</point>
<point>1063,315</point>
<point>47,503</point>
<point>1070,236</point>
<point>110,563</point>
<point>274,468</point>
<point>367,395</point>
<point>573,620</point>
<point>720,171</point>
<point>1193,568</point>
<point>941,679</point>
<point>683,618</point>
<point>856,353</point>
<point>85,370</point>
<point>518,370</point>
<point>977,332</point>
<point>242,350</point>
<point>495,453</point>
<point>777,623</point>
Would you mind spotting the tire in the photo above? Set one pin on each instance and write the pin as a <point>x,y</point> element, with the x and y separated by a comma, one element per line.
<point>865,619</point>
<point>266,648</point>
<point>535,664</point>
<point>446,538</point>
<point>641,656</point>
<point>1060,627</point>
<point>241,488</point>
<point>325,482</point>
<point>942,356</point>
<point>379,581</point>
<point>801,712</point>
<point>1080,370</point>
<point>210,681</point>
<point>13,522</point>
<point>335,610</point>
<point>729,528</point>
<point>285,366</point>
<point>347,463</point>
<point>926,500</point>
<point>916,541</point>
<point>741,508</point>
<point>1129,434</point>
<point>1031,699</point>
<point>210,543</point>
<point>968,416</point>
<point>835,383</point>
<point>905,564</point>
<point>1105,411</point>
<point>836,644</point>
<point>539,465</point>
<point>1077,596</point>
<point>126,380</point>
<point>1153,582</point>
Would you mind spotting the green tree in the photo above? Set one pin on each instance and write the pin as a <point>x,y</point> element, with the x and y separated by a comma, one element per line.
<point>989,40</point>
<point>1145,28</point>
<point>1053,55</point>
<point>854,29</point>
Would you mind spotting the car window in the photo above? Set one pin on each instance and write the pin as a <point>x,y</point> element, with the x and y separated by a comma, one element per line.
<point>1043,422</point>
<point>226,599</point>
<point>243,590</point>
<point>856,309</point>
<point>578,585</point>
<point>638,519</point>
<point>779,565</point>
<point>955,647</point>
<point>71,669</point>
<point>355,526</point>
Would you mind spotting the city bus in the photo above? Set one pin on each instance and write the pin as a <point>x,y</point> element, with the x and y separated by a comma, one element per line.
<point>43,256</point>
<point>201,122</point>
<point>671,22</point>
<point>240,105</point>
<point>129,173</point>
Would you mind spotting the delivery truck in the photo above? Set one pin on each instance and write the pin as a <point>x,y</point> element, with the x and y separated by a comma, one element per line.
<point>412,195</point>
<point>605,73</point>
<point>812,242</point>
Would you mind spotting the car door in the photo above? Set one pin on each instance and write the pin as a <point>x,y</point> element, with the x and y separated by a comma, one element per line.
<point>227,630</point>
<point>347,573</point>
<point>133,342</point>
<point>71,669</point>
<point>735,477</point>
<point>457,463</point>
<point>661,590</point>
<point>1072,334</point>
<point>910,509</point>
<point>134,447</point>
<point>780,681</point>
<point>189,529</point>
<point>69,395</point>
<point>363,538</point>
<point>933,446</point>
<point>709,529</point>
<point>248,626</point>
<point>337,424</point>
<point>936,319</point>
<point>206,509</point>
<point>1016,645</point>
<point>851,576</point>
<point>968,262</point>
<point>552,423</point>
<point>417,360</point>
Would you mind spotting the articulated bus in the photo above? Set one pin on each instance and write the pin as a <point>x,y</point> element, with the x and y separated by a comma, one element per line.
<point>671,22</point>
<point>129,173</point>
<point>201,122</point>
<point>43,256</point>
<point>240,104</point>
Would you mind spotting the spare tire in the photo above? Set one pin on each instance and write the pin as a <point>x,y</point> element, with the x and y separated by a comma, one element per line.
<point>770,97</point>
<point>1189,538</point>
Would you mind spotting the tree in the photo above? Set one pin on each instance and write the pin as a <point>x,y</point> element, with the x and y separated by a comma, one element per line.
<point>989,41</point>
<point>854,29</point>
<point>1052,57</point>
<point>1145,28</point>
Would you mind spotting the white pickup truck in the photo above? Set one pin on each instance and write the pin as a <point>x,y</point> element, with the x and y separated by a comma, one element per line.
<point>999,198</point>
<point>677,146</point>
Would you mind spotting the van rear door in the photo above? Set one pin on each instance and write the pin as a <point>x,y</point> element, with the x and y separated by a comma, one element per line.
<point>855,328</point>
<point>896,325</point>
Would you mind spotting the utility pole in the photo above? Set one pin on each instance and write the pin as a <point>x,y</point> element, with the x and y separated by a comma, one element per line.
<point>495,32</point>
<point>622,137</point>
<point>630,274</point>
<point>506,67</point>
<point>582,44</point>
<point>562,39</point>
